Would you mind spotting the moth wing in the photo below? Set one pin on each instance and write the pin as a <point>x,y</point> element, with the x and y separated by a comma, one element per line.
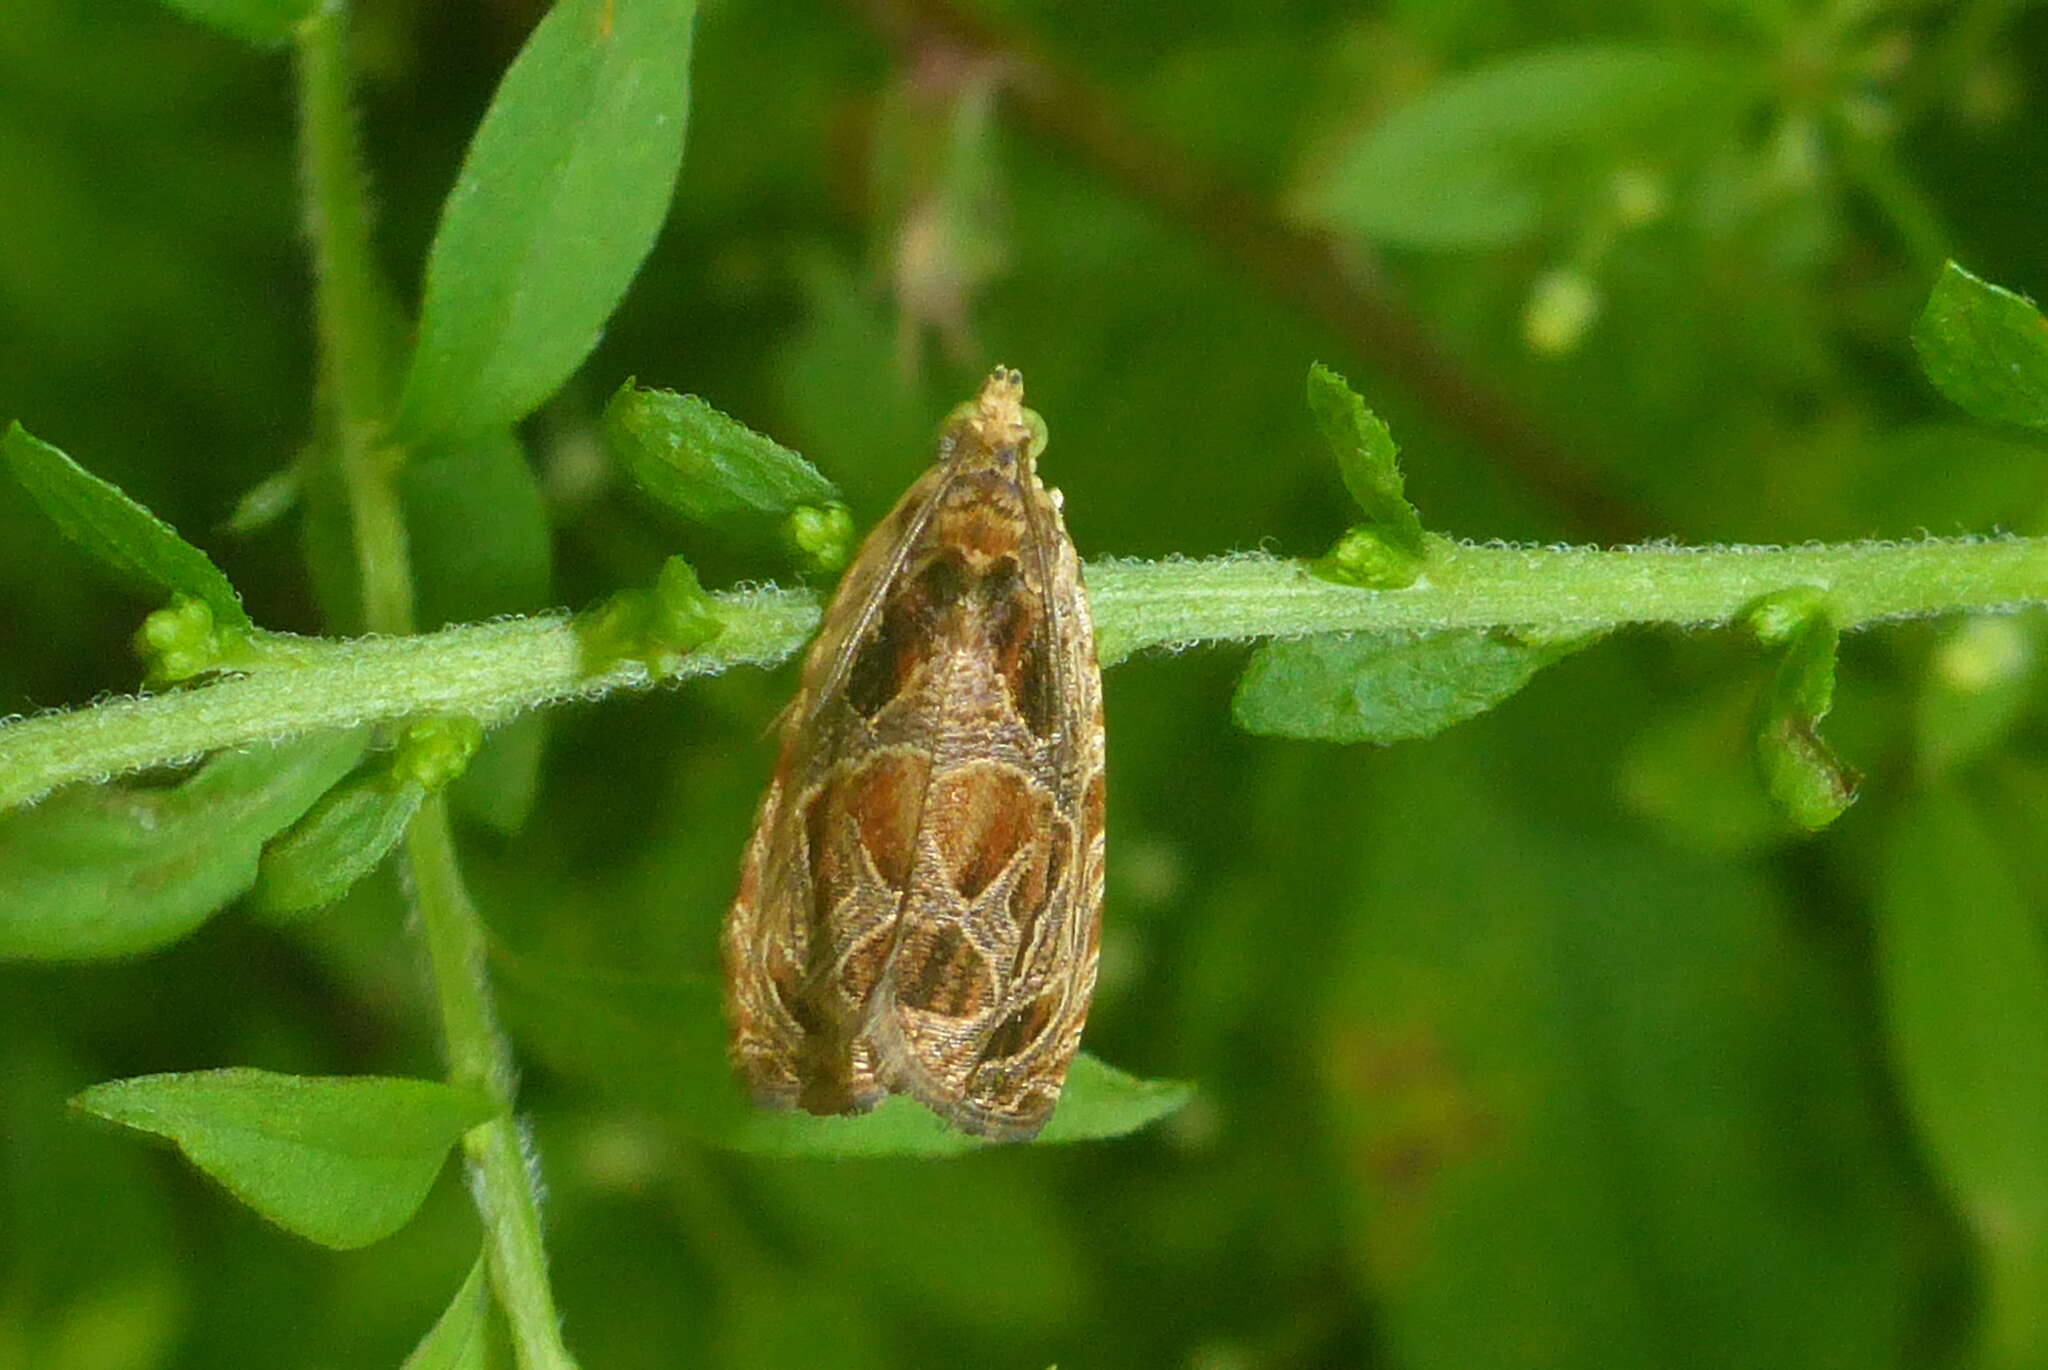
<point>978,1016</point>
<point>780,990</point>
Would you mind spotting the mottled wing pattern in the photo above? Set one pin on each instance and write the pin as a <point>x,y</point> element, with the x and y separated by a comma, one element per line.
<point>918,909</point>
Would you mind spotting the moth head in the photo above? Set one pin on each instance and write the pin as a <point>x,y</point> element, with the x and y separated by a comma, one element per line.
<point>996,422</point>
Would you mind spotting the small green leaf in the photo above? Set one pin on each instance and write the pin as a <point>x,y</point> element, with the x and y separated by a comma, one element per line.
<point>1487,157</point>
<point>460,1338</point>
<point>1383,687</point>
<point>1099,1102</point>
<point>112,870</point>
<point>1805,778</point>
<point>1986,349</point>
<point>1965,980</point>
<point>565,185</point>
<point>704,465</point>
<point>340,840</point>
<point>265,23</point>
<point>342,1160</point>
<point>98,516</point>
<point>1368,457</point>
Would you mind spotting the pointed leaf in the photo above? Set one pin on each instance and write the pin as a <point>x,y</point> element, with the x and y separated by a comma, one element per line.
<point>137,545</point>
<point>703,464</point>
<point>342,838</point>
<point>1804,776</point>
<point>1099,1102</point>
<point>266,23</point>
<point>460,1338</point>
<point>1382,687</point>
<point>559,199</point>
<point>111,870</point>
<point>1986,349</point>
<point>1965,977</point>
<point>1368,457</point>
<point>341,1160</point>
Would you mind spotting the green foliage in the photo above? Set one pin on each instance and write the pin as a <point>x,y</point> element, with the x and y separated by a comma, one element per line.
<point>1986,349</point>
<point>342,838</point>
<point>1965,980</point>
<point>1492,156</point>
<point>340,1161</point>
<point>1383,687</point>
<point>460,1338</point>
<point>1802,773</point>
<point>566,183</point>
<point>1368,457</point>
<point>1551,1041</point>
<point>119,869</point>
<point>119,533</point>
<point>1099,1102</point>
<point>704,465</point>
<point>265,23</point>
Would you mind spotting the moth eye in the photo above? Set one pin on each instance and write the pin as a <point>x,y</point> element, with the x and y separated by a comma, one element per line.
<point>1019,1030</point>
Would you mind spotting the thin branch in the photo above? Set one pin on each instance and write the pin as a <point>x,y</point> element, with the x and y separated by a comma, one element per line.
<point>354,316</point>
<point>1307,268</point>
<point>492,671</point>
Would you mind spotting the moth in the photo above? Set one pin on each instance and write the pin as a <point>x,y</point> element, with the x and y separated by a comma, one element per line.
<point>919,907</point>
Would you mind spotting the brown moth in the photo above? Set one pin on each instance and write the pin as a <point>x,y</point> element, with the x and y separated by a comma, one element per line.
<point>918,910</point>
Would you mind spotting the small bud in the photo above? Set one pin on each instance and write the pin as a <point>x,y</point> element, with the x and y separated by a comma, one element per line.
<point>433,751</point>
<point>1363,557</point>
<point>820,535</point>
<point>1778,617</point>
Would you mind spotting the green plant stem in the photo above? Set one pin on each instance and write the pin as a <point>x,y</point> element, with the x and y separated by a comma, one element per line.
<point>354,318</point>
<point>477,1057</point>
<point>492,671</point>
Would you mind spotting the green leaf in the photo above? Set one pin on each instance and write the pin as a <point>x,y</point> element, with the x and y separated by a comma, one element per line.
<point>112,870</point>
<point>123,535</point>
<point>1368,457</point>
<point>1488,157</point>
<point>341,1160</point>
<point>703,464</point>
<point>1805,778</point>
<point>1383,687</point>
<point>1965,980</point>
<point>266,23</point>
<point>1571,1071</point>
<point>1986,349</point>
<point>1099,1102</point>
<point>342,838</point>
<point>559,199</point>
<point>460,1338</point>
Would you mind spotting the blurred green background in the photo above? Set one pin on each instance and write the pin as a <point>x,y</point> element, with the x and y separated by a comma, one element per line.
<point>1541,1043</point>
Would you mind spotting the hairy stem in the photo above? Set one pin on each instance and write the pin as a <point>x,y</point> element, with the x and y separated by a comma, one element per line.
<point>494,670</point>
<point>355,321</point>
